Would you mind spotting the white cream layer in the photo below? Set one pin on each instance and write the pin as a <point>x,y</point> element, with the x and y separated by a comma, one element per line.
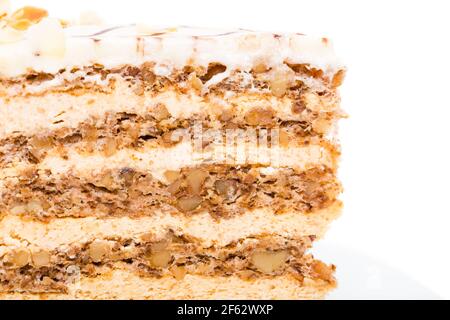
<point>46,47</point>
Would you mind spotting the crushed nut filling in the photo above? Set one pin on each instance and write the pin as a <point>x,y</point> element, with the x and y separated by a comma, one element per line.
<point>280,82</point>
<point>221,190</point>
<point>173,256</point>
<point>158,128</point>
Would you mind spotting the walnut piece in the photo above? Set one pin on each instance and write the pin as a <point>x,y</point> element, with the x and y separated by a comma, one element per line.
<point>259,117</point>
<point>172,175</point>
<point>34,207</point>
<point>99,250</point>
<point>338,79</point>
<point>173,137</point>
<point>160,112</point>
<point>19,258</point>
<point>195,180</point>
<point>39,145</point>
<point>321,125</point>
<point>195,82</point>
<point>106,181</point>
<point>41,258</point>
<point>178,272</point>
<point>108,147</point>
<point>323,271</point>
<point>226,188</point>
<point>175,187</point>
<point>89,132</point>
<point>269,261</point>
<point>189,203</point>
<point>160,259</point>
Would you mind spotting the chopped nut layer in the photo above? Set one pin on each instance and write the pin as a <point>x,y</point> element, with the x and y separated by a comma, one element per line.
<point>221,190</point>
<point>279,82</point>
<point>124,130</point>
<point>174,256</point>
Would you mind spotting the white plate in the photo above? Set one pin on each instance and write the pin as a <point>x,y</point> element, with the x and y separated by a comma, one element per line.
<point>360,277</point>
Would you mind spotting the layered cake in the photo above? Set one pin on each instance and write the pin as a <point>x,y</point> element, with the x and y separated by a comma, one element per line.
<point>164,163</point>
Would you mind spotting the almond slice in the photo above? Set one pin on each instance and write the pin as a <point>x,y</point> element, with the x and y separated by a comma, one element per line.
<point>23,18</point>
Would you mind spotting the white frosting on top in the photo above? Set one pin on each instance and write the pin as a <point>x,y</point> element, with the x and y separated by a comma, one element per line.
<point>47,47</point>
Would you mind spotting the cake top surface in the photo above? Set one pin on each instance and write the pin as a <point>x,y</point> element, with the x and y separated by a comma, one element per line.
<point>30,41</point>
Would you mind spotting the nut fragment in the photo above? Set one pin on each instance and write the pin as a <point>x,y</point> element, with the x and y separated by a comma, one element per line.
<point>133,130</point>
<point>195,82</point>
<point>99,250</point>
<point>172,175</point>
<point>226,188</point>
<point>321,125</point>
<point>127,175</point>
<point>160,259</point>
<point>306,69</point>
<point>259,117</point>
<point>338,79</point>
<point>106,181</point>
<point>269,261</point>
<point>172,137</point>
<point>226,115</point>
<point>260,67</point>
<point>175,187</point>
<point>323,271</point>
<point>89,132</point>
<point>20,24</point>
<point>34,207</point>
<point>213,70</point>
<point>23,18</point>
<point>249,179</point>
<point>18,258</point>
<point>39,145</point>
<point>278,86</point>
<point>47,281</point>
<point>32,14</point>
<point>298,107</point>
<point>108,147</point>
<point>160,112</point>
<point>317,103</point>
<point>41,258</point>
<point>159,246</point>
<point>179,272</point>
<point>147,73</point>
<point>18,209</point>
<point>281,80</point>
<point>189,203</point>
<point>195,180</point>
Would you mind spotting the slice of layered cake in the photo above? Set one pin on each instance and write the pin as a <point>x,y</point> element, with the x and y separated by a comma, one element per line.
<point>180,163</point>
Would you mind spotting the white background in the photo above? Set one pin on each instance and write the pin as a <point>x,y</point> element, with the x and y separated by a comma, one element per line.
<point>395,164</point>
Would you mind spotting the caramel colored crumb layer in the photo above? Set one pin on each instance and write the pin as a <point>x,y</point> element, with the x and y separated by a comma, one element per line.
<point>284,80</point>
<point>221,190</point>
<point>38,270</point>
